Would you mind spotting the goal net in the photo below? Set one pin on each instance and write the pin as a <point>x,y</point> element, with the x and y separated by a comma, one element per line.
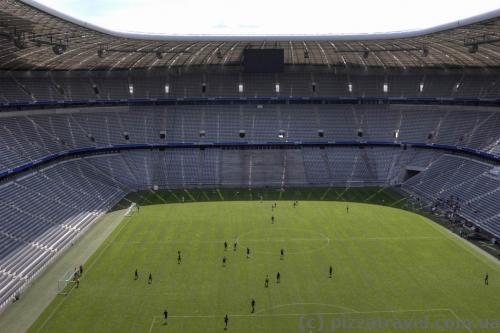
<point>66,283</point>
<point>131,210</point>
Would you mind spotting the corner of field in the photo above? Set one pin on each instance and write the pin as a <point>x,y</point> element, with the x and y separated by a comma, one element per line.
<point>32,307</point>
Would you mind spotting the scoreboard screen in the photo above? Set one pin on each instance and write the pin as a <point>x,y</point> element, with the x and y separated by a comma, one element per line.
<point>263,60</point>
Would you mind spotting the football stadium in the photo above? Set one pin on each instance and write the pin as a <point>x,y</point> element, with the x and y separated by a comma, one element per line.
<point>248,183</point>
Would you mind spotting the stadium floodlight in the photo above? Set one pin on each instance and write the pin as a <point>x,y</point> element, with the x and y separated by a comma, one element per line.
<point>20,42</point>
<point>473,48</point>
<point>102,53</point>
<point>59,49</point>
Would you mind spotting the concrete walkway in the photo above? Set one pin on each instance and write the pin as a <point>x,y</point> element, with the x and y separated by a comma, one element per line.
<point>18,317</point>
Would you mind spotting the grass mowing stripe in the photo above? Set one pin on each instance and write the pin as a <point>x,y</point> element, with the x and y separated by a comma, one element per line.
<point>160,197</point>
<point>175,196</point>
<point>384,261</point>
<point>205,195</point>
<point>374,194</point>
<point>220,195</point>
<point>189,195</point>
<point>326,193</point>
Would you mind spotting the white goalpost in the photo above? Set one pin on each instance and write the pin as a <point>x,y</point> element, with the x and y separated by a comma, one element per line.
<point>132,209</point>
<point>66,283</point>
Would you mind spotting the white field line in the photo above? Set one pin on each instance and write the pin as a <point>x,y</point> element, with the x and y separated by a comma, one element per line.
<point>152,324</point>
<point>310,313</point>
<point>265,240</point>
<point>460,320</point>
<point>475,251</point>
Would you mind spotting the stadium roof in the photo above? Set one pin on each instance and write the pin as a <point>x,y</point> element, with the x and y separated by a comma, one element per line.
<point>34,37</point>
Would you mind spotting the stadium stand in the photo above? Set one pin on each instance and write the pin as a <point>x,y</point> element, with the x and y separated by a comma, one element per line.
<point>43,212</point>
<point>81,129</point>
<point>49,133</point>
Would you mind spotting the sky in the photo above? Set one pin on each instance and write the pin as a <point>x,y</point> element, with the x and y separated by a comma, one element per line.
<point>269,17</point>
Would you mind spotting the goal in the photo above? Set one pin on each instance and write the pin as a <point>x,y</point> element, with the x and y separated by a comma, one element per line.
<point>66,283</point>
<point>131,210</point>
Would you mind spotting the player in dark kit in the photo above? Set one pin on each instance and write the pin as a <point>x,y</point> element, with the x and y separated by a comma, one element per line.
<point>486,279</point>
<point>278,277</point>
<point>248,252</point>
<point>253,305</point>
<point>165,315</point>
<point>266,283</point>
<point>272,219</point>
<point>235,246</point>
<point>225,246</point>
<point>136,275</point>
<point>282,254</point>
<point>347,209</point>
<point>331,272</point>
<point>224,261</point>
<point>150,278</point>
<point>226,320</point>
<point>179,259</point>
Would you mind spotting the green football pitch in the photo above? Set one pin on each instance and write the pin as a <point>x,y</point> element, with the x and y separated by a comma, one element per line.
<point>393,270</point>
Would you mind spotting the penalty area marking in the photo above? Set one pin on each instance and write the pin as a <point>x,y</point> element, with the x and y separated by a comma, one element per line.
<point>152,324</point>
<point>352,311</point>
<point>324,238</point>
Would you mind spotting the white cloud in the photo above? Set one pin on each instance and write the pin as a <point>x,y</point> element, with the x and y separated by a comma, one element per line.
<point>269,17</point>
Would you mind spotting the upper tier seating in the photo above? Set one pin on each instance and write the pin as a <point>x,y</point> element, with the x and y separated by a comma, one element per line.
<point>115,85</point>
<point>27,137</point>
